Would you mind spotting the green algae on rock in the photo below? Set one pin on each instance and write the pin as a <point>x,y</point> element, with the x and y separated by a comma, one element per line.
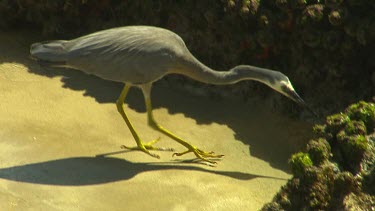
<point>313,13</point>
<point>299,162</point>
<point>355,127</point>
<point>336,122</point>
<point>319,150</point>
<point>342,176</point>
<point>364,112</point>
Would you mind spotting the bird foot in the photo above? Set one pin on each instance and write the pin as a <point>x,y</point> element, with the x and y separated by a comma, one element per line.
<point>149,146</point>
<point>202,155</point>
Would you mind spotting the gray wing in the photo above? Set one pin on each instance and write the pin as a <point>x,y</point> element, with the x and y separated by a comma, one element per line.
<point>128,54</point>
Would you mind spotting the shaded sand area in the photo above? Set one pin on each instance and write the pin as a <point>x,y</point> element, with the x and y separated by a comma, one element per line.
<point>55,124</point>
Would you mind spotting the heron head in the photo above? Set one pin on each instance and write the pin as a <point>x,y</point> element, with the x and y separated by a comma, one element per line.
<point>282,84</point>
<point>274,79</point>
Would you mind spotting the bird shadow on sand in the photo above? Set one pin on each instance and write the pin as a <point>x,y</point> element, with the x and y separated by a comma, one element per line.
<point>79,171</point>
<point>271,139</point>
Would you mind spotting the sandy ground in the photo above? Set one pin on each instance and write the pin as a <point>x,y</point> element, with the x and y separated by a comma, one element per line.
<point>60,138</point>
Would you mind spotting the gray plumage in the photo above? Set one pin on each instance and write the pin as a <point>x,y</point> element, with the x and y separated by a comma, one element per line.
<point>138,55</point>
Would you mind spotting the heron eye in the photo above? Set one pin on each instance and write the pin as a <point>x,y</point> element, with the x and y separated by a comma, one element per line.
<point>284,88</point>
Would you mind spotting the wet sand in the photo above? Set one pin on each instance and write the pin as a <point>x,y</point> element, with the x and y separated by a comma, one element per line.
<point>56,125</point>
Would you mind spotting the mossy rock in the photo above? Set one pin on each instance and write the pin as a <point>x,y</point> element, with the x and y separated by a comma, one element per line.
<point>356,144</point>
<point>353,149</point>
<point>341,136</point>
<point>336,122</point>
<point>319,130</point>
<point>312,14</point>
<point>369,181</point>
<point>337,16</point>
<point>344,183</point>
<point>364,112</point>
<point>299,162</point>
<point>355,127</point>
<point>352,128</point>
<point>318,197</point>
<point>312,174</point>
<point>330,170</point>
<point>319,150</point>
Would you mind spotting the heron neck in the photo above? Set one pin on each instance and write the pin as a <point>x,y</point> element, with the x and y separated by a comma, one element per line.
<point>200,72</point>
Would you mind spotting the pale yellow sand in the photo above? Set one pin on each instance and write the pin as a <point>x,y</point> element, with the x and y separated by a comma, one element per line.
<point>54,122</point>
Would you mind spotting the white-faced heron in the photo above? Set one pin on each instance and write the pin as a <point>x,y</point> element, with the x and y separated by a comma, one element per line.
<point>139,56</point>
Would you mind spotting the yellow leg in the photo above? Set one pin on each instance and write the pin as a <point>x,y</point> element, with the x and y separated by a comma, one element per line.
<point>205,156</point>
<point>145,147</point>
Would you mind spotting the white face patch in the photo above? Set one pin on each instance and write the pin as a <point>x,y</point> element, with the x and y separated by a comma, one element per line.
<point>287,84</point>
<point>280,85</point>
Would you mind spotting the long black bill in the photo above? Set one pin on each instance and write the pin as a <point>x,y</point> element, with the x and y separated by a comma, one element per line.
<point>296,98</point>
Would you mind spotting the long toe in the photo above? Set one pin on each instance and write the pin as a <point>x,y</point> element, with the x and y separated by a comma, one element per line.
<point>208,154</point>
<point>147,147</point>
<point>142,148</point>
<point>202,155</point>
<point>150,146</point>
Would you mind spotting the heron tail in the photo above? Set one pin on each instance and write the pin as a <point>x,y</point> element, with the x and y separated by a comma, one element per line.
<point>50,52</point>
